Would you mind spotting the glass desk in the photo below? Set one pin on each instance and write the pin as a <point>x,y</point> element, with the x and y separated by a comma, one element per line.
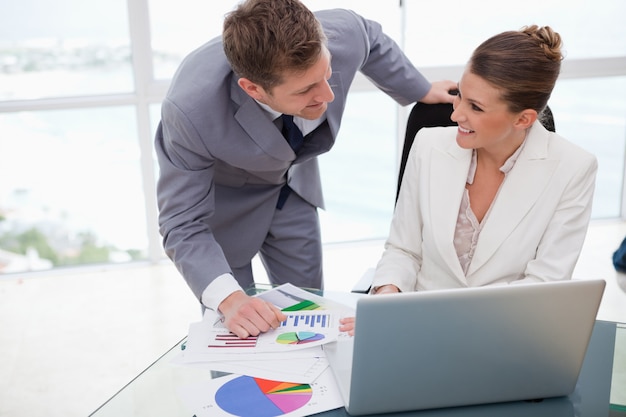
<point>153,393</point>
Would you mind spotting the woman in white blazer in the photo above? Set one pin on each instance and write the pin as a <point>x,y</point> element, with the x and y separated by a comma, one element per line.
<point>498,199</point>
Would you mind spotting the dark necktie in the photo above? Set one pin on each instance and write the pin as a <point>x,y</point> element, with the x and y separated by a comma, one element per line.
<point>292,133</point>
<point>294,137</point>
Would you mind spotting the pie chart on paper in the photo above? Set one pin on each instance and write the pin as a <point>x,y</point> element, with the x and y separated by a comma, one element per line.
<point>246,396</point>
<point>298,338</point>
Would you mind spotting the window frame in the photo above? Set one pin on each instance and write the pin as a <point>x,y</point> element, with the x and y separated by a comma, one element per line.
<point>149,91</point>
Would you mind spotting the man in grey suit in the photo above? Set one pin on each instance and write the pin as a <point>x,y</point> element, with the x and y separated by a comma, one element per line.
<point>231,184</point>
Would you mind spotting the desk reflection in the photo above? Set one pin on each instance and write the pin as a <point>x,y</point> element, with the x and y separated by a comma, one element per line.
<point>553,407</point>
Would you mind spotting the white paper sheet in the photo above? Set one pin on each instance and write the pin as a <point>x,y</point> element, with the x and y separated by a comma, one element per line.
<point>245,396</point>
<point>300,370</point>
<point>291,353</point>
<point>301,330</point>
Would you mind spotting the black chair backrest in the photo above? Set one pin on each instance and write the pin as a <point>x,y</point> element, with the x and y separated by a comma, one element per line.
<point>422,115</point>
<point>433,115</point>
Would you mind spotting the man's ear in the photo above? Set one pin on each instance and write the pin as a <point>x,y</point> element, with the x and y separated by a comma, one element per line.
<point>253,90</point>
<point>526,119</point>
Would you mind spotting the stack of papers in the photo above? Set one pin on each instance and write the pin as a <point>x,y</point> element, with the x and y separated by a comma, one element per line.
<point>283,372</point>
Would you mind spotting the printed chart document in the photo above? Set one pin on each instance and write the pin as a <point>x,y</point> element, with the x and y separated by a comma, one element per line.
<point>281,372</point>
<point>293,349</point>
<point>288,297</point>
<point>301,329</point>
<point>262,397</point>
<point>296,365</point>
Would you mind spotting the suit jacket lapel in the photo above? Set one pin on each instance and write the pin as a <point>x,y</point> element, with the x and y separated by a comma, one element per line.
<point>447,183</point>
<point>259,128</point>
<point>522,187</point>
<point>254,121</point>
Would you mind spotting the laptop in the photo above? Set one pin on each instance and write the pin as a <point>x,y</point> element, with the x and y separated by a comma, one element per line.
<point>457,347</point>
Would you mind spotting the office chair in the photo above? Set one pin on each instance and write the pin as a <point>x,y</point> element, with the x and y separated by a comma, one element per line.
<point>422,115</point>
<point>429,115</point>
<point>433,115</point>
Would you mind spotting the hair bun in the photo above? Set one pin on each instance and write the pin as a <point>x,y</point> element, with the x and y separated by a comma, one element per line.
<point>549,40</point>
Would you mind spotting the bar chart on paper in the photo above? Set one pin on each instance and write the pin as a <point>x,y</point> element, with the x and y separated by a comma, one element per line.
<point>230,340</point>
<point>319,320</point>
<point>304,327</point>
<point>301,329</point>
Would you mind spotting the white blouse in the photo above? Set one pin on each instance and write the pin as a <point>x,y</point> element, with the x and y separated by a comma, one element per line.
<point>467,225</point>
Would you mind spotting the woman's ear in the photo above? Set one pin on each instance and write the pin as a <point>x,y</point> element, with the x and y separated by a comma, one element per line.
<point>526,119</point>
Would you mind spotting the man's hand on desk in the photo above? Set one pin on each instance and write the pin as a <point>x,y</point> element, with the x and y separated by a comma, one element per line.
<point>248,316</point>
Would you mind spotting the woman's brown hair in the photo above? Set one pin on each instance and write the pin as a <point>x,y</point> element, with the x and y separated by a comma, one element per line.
<point>524,65</point>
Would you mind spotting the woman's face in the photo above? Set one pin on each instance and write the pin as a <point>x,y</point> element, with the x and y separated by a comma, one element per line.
<point>483,117</point>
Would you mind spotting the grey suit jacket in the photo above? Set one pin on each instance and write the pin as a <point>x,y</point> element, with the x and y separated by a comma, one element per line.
<point>223,161</point>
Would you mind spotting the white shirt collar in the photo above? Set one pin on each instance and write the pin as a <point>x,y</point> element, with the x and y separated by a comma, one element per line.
<point>306,126</point>
<point>508,164</point>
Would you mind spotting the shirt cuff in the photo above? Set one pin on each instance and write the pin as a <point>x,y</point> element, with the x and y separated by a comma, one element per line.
<point>217,291</point>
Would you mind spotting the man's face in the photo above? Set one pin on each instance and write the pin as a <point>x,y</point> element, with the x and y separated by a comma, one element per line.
<point>303,94</point>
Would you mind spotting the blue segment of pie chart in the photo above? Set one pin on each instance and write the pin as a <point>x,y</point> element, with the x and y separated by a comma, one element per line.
<point>242,397</point>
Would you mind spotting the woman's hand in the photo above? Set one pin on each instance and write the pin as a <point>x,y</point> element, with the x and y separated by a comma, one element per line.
<point>386,289</point>
<point>347,325</point>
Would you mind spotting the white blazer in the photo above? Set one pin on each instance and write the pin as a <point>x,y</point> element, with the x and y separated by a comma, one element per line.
<point>535,229</point>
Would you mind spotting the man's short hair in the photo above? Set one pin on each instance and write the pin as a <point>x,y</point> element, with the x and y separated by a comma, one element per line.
<point>265,39</point>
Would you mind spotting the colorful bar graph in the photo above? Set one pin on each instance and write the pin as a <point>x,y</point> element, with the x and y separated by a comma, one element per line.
<point>311,321</point>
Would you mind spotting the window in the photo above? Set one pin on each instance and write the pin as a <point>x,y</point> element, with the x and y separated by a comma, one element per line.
<point>81,85</point>
<point>72,190</point>
<point>179,27</point>
<point>359,175</point>
<point>446,32</point>
<point>589,100</point>
<point>591,112</point>
<point>64,48</point>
